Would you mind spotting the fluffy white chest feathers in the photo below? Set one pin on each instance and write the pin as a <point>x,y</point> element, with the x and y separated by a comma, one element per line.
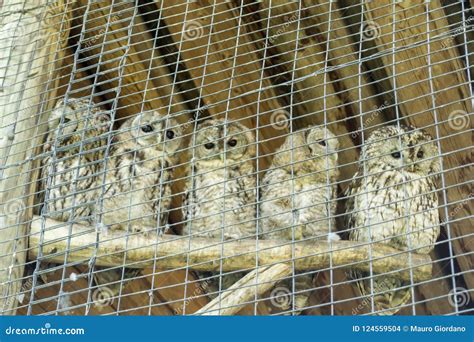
<point>405,212</point>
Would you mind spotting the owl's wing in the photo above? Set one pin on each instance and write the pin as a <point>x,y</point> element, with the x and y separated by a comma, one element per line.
<point>188,206</point>
<point>162,196</point>
<point>350,194</point>
<point>276,207</point>
<point>274,178</point>
<point>186,200</point>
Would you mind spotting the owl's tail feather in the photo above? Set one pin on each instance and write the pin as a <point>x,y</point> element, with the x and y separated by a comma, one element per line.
<point>388,294</point>
<point>108,282</point>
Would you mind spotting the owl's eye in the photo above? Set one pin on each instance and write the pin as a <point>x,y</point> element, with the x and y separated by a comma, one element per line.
<point>147,129</point>
<point>170,134</point>
<point>420,154</point>
<point>396,155</point>
<point>322,142</point>
<point>209,145</point>
<point>66,120</point>
<point>232,143</point>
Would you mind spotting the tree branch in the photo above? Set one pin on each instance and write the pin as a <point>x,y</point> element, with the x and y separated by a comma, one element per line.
<point>175,252</point>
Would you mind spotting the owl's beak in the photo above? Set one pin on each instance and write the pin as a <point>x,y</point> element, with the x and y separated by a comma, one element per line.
<point>411,166</point>
<point>222,156</point>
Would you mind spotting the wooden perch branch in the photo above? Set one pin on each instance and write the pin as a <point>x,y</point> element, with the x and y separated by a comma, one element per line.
<point>174,252</point>
<point>243,291</point>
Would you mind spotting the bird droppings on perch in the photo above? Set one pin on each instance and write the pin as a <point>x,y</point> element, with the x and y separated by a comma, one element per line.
<point>176,252</point>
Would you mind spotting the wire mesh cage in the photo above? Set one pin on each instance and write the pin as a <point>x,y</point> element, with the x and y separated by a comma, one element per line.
<point>236,157</point>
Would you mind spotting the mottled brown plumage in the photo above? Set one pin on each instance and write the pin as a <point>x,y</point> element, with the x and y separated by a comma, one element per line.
<point>136,191</point>
<point>74,152</point>
<point>220,198</point>
<point>392,200</point>
<point>299,196</point>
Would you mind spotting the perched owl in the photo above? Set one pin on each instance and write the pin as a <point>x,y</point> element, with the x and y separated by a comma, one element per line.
<point>137,186</point>
<point>220,197</point>
<point>298,200</point>
<point>392,200</point>
<point>74,152</point>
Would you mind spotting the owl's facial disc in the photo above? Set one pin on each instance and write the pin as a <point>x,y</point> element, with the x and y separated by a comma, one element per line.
<point>419,160</point>
<point>150,134</point>
<point>66,122</point>
<point>321,142</point>
<point>207,145</point>
<point>234,146</point>
<point>159,132</point>
<point>102,121</point>
<point>402,148</point>
<point>171,136</point>
<point>220,141</point>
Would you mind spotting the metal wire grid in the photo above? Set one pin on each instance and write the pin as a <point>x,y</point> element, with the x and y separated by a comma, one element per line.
<point>294,97</point>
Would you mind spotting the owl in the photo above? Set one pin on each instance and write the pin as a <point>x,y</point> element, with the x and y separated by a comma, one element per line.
<point>75,145</point>
<point>220,200</point>
<point>137,187</point>
<point>392,200</point>
<point>298,196</point>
